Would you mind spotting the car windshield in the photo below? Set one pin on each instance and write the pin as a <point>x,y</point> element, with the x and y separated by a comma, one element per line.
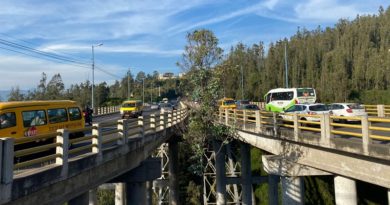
<point>229,102</point>
<point>128,105</point>
<point>251,107</point>
<point>318,108</point>
<point>165,105</point>
<point>355,106</point>
<point>295,108</point>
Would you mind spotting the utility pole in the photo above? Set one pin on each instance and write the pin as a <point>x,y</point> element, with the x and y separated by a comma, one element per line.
<point>242,84</point>
<point>93,75</point>
<point>143,90</point>
<point>128,84</point>
<point>285,63</point>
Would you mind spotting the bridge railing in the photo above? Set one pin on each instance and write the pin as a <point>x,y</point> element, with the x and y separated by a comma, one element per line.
<point>57,148</point>
<point>371,110</point>
<point>325,127</point>
<point>106,110</point>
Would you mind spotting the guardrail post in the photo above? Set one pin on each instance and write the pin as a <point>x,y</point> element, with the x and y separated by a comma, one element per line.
<point>165,118</point>
<point>244,119</point>
<point>275,122</point>
<point>6,169</point>
<point>174,117</point>
<point>97,141</point>
<point>226,117</point>
<point>381,110</point>
<point>141,125</point>
<point>258,121</point>
<point>122,127</point>
<point>366,134</point>
<point>297,131</point>
<point>220,115</point>
<point>153,122</point>
<point>325,139</point>
<point>169,119</point>
<point>63,150</point>
<point>235,117</point>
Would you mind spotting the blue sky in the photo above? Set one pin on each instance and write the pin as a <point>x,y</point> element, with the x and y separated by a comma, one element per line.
<point>146,35</point>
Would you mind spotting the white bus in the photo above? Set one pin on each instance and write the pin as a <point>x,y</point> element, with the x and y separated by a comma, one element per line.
<point>280,99</point>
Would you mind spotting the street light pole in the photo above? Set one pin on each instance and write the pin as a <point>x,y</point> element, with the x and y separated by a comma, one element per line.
<point>93,74</point>
<point>128,84</point>
<point>242,84</point>
<point>143,90</point>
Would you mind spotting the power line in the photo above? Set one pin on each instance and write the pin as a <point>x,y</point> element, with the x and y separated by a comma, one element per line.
<point>48,56</point>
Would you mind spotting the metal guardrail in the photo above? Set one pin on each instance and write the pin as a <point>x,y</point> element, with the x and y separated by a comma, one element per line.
<point>366,127</point>
<point>57,148</point>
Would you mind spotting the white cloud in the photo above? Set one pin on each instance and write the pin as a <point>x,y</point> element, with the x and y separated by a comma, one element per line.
<point>324,10</point>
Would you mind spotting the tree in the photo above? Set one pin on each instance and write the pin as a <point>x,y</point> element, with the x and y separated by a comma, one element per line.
<point>55,88</point>
<point>15,94</point>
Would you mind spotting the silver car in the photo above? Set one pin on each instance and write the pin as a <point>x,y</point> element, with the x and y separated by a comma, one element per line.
<point>309,109</point>
<point>166,107</point>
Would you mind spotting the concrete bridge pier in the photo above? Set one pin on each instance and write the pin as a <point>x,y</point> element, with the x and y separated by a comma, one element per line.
<point>93,197</point>
<point>345,191</point>
<point>82,199</point>
<point>173,172</point>
<point>220,170</point>
<point>130,188</point>
<point>292,190</point>
<point>136,193</point>
<point>246,174</point>
<point>273,190</point>
<point>120,193</point>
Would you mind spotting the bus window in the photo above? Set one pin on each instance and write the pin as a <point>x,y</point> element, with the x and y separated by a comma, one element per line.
<point>34,118</point>
<point>57,115</point>
<point>305,92</point>
<point>268,98</point>
<point>7,120</point>
<point>74,113</point>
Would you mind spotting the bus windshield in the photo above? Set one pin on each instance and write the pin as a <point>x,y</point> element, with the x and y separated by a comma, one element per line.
<point>305,92</point>
<point>128,105</point>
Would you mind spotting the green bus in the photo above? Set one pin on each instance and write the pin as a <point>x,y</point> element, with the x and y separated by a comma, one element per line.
<point>280,99</point>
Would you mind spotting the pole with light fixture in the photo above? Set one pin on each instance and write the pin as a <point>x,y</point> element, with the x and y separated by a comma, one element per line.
<point>93,73</point>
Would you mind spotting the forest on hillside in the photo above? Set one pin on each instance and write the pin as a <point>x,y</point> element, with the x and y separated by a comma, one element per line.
<point>350,62</point>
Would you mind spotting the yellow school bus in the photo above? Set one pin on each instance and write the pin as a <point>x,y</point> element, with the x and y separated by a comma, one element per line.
<point>131,108</point>
<point>30,118</point>
<point>227,103</point>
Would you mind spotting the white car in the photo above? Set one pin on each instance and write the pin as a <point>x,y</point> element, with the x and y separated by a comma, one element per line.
<point>310,109</point>
<point>347,110</point>
<point>166,107</point>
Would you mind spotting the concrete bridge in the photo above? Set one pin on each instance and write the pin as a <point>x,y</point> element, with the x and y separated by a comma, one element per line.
<point>298,148</point>
<point>117,151</point>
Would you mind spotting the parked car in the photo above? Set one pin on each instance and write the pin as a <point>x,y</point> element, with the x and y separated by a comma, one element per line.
<point>310,109</point>
<point>242,102</point>
<point>347,110</point>
<point>166,107</point>
<point>248,107</point>
<point>154,106</point>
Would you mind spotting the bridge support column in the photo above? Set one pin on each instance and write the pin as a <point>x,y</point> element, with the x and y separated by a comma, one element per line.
<point>388,196</point>
<point>246,174</point>
<point>273,191</point>
<point>220,152</point>
<point>136,193</point>
<point>149,193</point>
<point>120,194</point>
<point>93,197</point>
<point>82,199</point>
<point>173,172</point>
<point>345,191</point>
